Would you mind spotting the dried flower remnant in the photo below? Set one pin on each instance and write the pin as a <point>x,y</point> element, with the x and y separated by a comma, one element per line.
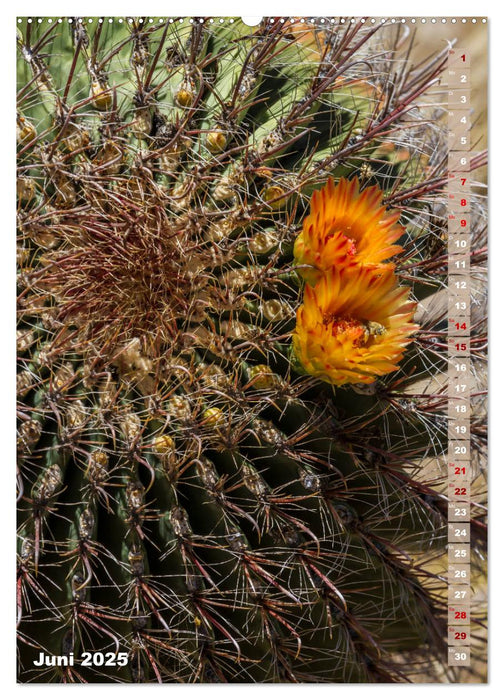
<point>353,326</point>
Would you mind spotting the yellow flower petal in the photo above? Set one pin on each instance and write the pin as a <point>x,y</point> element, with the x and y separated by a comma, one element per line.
<point>346,227</point>
<point>354,325</point>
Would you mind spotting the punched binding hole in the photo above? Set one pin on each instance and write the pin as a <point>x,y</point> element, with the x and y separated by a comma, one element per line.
<point>251,21</point>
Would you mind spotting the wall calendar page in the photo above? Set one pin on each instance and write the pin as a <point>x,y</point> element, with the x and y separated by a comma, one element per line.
<point>251,350</point>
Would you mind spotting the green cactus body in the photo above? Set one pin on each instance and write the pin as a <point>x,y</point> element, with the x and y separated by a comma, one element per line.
<point>188,494</point>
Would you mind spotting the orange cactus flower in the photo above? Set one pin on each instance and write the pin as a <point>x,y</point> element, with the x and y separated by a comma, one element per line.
<point>354,325</point>
<point>344,227</point>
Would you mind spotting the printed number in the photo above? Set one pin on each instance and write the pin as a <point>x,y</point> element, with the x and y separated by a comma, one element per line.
<point>463,202</point>
<point>460,635</point>
<point>122,658</point>
<point>460,656</point>
<point>463,78</point>
<point>460,594</point>
<point>461,346</point>
<point>460,492</point>
<point>460,512</point>
<point>460,470</point>
<point>460,615</point>
<point>460,553</point>
<point>463,223</point>
<point>100,659</point>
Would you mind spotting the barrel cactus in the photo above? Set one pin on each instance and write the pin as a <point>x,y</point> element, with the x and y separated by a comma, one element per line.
<point>232,352</point>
